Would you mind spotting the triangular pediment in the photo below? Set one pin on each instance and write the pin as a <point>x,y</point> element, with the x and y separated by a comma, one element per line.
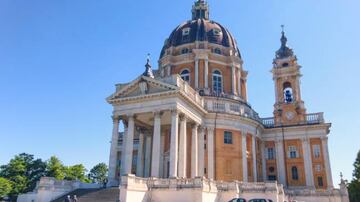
<point>141,86</point>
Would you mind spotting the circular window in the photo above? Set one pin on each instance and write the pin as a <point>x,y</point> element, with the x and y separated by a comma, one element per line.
<point>271,169</point>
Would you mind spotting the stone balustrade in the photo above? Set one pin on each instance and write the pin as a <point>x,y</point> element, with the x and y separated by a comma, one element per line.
<point>313,118</point>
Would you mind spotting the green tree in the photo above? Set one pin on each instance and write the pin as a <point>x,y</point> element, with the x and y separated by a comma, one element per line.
<point>98,173</point>
<point>76,172</point>
<point>5,187</point>
<point>55,168</point>
<point>354,185</point>
<point>23,171</point>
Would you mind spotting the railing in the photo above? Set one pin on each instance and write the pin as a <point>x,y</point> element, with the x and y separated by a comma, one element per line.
<point>231,107</point>
<point>189,91</point>
<point>313,118</point>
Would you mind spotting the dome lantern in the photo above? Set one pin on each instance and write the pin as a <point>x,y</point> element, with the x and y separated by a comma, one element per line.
<point>200,10</point>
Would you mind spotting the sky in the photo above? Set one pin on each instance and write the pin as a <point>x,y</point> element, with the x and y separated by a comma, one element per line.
<point>60,59</point>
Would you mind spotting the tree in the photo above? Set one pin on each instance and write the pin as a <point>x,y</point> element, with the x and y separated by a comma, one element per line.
<point>23,171</point>
<point>354,185</point>
<point>55,168</point>
<point>98,173</point>
<point>5,187</point>
<point>76,172</point>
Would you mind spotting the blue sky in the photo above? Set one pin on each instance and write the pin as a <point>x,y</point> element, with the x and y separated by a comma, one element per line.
<point>60,59</point>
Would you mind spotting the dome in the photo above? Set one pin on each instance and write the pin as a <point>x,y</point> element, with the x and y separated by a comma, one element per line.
<point>200,28</point>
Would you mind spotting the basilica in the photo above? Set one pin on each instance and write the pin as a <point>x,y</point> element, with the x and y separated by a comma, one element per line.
<point>190,133</point>
<point>190,119</point>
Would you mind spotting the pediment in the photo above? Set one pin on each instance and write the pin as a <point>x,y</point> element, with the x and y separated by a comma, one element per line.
<point>140,87</point>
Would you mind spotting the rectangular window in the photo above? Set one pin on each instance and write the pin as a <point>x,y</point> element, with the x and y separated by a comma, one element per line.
<point>228,137</point>
<point>292,152</point>
<point>272,177</point>
<point>270,153</point>
<point>316,149</point>
<point>320,182</point>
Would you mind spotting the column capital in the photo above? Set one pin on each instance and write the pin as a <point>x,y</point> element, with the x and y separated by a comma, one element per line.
<point>202,129</point>
<point>210,129</point>
<point>116,118</point>
<point>175,112</point>
<point>182,117</point>
<point>305,139</point>
<point>324,138</point>
<point>195,125</point>
<point>131,116</point>
<point>158,114</point>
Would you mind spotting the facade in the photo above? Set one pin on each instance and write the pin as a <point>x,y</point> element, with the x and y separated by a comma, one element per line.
<point>190,123</point>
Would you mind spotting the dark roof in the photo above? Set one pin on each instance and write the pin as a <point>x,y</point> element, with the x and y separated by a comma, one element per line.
<point>200,30</point>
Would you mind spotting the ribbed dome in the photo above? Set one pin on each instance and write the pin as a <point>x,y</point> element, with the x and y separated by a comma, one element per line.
<point>200,30</point>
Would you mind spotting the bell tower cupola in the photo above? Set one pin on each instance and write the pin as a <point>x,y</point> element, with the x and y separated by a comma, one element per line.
<point>200,10</point>
<point>289,108</point>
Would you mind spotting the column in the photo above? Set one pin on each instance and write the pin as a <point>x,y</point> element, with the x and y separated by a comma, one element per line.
<point>206,73</point>
<point>147,156</point>
<point>162,147</point>
<point>140,156</point>
<point>194,151</point>
<point>210,149</point>
<point>253,147</point>
<point>244,157</point>
<point>129,145</point>
<point>155,163</point>
<point>174,144</point>
<point>324,142</point>
<point>122,167</point>
<point>182,147</point>
<point>196,73</point>
<point>280,162</point>
<point>233,79</point>
<point>309,177</point>
<point>113,152</point>
<point>201,151</point>
<point>263,160</point>
<point>239,81</point>
<point>168,70</point>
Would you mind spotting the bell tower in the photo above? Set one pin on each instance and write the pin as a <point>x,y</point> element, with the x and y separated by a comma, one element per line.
<point>289,108</point>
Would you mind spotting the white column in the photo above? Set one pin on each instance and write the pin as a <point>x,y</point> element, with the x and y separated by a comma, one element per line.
<point>129,145</point>
<point>140,156</point>
<point>211,153</point>
<point>194,151</point>
<point>168,70</point>
<point>201,151</point>
<point>280,162</point>
<point>147,156</point>
<point>182,147</point>
<point>155,163</point>
<point>112,181</point>
<point>206,73</point>
<point>324,142</point>
<point>244,157</point>
<point>196,73</point>
<point>123,152</point>
<point>239,81</point>
<point>162,147</point>
<point>174,144</point>
<point>253,147</point>
<point>309,177</point>
<point>263,160</point>
<point>233,79</point>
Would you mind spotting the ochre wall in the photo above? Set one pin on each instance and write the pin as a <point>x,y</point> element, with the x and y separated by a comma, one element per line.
<point>298,162</point>
<point>315,161</point>
<point>228,157</point>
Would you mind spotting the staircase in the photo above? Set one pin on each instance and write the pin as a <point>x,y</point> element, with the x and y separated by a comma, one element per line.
<point>93,195</point>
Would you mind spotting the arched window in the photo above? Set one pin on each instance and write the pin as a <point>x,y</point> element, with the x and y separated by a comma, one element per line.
<point>217,81</point>
<point>185,75</point>
<point>185,51</point>
<point>217,51</point>
<point>288,93</point>
<point>294,173</point>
